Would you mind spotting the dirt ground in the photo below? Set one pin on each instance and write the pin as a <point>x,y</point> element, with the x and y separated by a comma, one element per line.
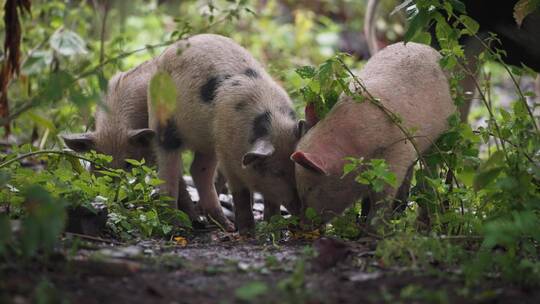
<point>221,268</point>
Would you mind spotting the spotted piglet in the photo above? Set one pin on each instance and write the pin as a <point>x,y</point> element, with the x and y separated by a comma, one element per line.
<point>122,125</point>
<point>229,110</point>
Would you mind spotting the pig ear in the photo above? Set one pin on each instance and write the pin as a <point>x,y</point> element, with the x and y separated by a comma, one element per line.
<point>311,115</point>
<point>80,142</point>
<point>309,161</point>
<point>141,137</point>
<point>301,129</point>
<point>261,150</point>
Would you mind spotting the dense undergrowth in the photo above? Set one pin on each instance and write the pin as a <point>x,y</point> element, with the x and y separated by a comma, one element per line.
<point>480,185</point>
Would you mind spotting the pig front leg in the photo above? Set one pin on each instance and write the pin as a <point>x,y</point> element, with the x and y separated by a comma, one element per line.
<point>203,170</point>
<point>171,172</point>
<point>243,211</point>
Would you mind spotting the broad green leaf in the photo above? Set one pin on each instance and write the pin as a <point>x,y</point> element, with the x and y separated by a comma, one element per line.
<point>37,62</point>
<point>458,5</point>
<point>67,43</point>
<point>418,21</point>
<point>422,37</point>
<point>56,85</point>
<point>311,214</point>
<point>306,72</point>
<point>484,178</point>
<point>41,121</point>
<point>5,176</point>
<point>471,25</point>
<point>162,95</point>
<point>133,162</point>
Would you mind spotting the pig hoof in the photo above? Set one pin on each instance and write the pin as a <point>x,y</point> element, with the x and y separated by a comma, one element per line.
<point>247,232</point>
<point>222,221</point>
<point>199,223</point>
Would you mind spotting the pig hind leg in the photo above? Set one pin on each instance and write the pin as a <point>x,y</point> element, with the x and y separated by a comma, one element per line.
<point>402,195</point>
<point>270,209</point>
<point>203,170</point>
<point>381,203</point>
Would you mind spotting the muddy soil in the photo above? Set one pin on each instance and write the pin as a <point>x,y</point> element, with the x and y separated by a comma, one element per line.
<point>221,268</point>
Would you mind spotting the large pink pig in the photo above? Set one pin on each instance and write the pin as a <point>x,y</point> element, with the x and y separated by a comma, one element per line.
<point>408,80</point>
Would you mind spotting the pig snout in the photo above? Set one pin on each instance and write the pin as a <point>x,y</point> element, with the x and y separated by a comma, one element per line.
<point>328,195</point>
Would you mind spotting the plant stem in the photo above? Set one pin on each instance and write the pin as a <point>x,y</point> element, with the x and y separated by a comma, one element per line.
<point>65,153</point>
<point>516,84</point>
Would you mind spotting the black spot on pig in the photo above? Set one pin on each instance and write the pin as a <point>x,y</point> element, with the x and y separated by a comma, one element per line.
<point>168,136</point>
<point>240,106</point>
<point>292,114</point>
<point>208,90</point>
<point>261,126</point>
<point>235,83</point>
<point>251,73</point>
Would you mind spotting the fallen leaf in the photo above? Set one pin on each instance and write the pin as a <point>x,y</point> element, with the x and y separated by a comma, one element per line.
<point>180,241</point>
<point>306,235</point>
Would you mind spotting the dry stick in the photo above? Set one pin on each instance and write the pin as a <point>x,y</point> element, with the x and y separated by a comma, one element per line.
<point>93,238</point>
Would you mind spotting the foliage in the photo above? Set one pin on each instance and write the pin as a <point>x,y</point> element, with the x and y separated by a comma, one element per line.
<point>494,193</point>
<point>479,184</point>
<point>134,208</point>
<point>326,83</point>
<point>473,182</point>
<point>374,173</point>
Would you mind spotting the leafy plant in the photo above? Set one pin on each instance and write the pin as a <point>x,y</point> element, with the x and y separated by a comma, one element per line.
<point>134,207</point>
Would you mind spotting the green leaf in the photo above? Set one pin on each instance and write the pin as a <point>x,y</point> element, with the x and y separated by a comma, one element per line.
<point>37,62</point>
<point>67,43</point>
<point>422,37</point>
<point>56,85</point>
<point>251,291</point>
<point>162,95</point>
<point>306,72</point>
<point>41,121</point>
<point>471,25</point>
<point>5,176</point>
<point>418,21</point>
<point>311,214</point>
<point>133,162</point>
<point>44,223</point>
<point>486,177</point>
<point>458,5</point>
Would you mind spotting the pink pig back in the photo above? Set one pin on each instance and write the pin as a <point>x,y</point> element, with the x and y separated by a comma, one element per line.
<point>409,82</point>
